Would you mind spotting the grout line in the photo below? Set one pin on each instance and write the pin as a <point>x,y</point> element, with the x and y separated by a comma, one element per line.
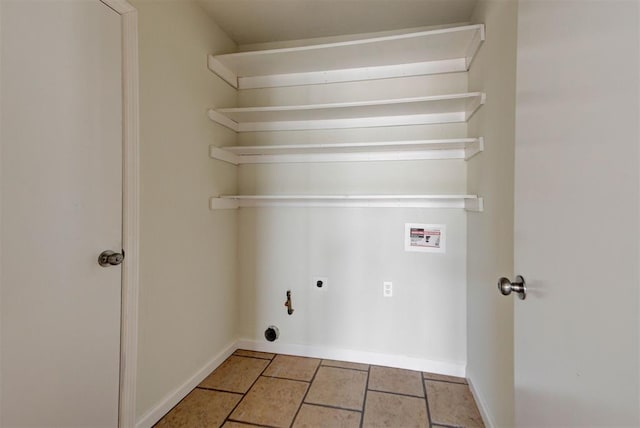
<point>364,400</point>
<point>249,424</point>
<point>298,356</point>
<point>305,394</point>
<point>245,394</point>
<point>288,378</point>
<point>445,381</point>
<point>448,426</point>
<point>308,403</point>
<point>252,356</point>
<point>344,368</point>
<point>426,401</point>
<point>171,409</point>
<point>218,390</point>
<point>397,393</point>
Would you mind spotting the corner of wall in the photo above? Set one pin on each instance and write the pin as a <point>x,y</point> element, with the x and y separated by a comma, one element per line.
<point>490,234</point>
<point>187,316</point>
<point>173,397</point>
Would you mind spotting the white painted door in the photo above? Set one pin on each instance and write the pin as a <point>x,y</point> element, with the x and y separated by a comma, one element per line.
<point>577,214</point>
<point>61,193</point>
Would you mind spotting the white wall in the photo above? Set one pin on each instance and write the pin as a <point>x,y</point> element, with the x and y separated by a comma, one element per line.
<point>356,248</point>
<point>490,235</point>
<point>188,253</point>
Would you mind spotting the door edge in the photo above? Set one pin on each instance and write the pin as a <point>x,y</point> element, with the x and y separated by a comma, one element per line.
<point>130,211</point>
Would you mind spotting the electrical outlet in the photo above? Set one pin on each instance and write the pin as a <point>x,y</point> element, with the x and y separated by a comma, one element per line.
<point>387,289</point>
<point>320,282</point>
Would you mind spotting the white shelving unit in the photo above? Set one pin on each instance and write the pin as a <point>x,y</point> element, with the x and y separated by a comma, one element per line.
<point>390,112</point>
<point>412,54</point>
<point>468,202</point>
<point>418,53</point>
<point>461,148</point>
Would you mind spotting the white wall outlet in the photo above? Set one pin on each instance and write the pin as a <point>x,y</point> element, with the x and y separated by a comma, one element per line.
<point>387,289</point>
<point>320,282</point>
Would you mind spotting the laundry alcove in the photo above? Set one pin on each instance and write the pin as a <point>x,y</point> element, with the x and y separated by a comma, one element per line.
<point>329,174</point>
<point>314,152</point>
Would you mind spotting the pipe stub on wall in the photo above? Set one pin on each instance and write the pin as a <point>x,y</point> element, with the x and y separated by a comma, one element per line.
<point>271,333</point>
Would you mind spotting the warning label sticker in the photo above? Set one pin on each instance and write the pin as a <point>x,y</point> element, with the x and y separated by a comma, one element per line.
<point>424,237</point>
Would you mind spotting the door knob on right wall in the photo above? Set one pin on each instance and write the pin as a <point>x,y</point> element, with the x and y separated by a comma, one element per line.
<point>518,286</point>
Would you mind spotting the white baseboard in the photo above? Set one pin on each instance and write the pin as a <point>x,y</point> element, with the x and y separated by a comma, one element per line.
<point>174,397</point>
<point>389,360</point>
<point>488,421</point>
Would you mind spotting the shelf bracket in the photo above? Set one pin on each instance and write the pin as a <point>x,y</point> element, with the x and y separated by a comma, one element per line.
<point>223,155</point>
<point>474,205</point>
<point>473,47</point>
<point>474,104</point>
<point>474,148</point>
<point>221,70</point>
<point>223,120</point>
<point>216,203</point>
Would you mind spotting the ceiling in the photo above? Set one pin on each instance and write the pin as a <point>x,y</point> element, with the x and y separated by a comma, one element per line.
<point>258,21</point>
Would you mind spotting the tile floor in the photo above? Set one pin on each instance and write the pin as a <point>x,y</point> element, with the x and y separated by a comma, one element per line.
<point>268,390</point>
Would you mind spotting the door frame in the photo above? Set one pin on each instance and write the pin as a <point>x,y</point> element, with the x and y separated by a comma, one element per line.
<point>130,211</point>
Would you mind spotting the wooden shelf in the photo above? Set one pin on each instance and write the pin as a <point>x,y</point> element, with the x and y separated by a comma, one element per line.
<point>419,53</point>
<point>390,112</point>
<point>461,148</point>
<point>468,202</point>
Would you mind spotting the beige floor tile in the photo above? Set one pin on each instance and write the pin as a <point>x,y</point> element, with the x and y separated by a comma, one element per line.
<point>322,417</point>
<point>396,380</point>
<point>236,374</point>
<point>434,376</point>
<point>201,408</point>
<point>393,411</point>
<point>452,404</point>
<point>271,402</point>
<point>255,354</point>
<point>345,365</point>
<point>338,387</point>
<point>290,367</point>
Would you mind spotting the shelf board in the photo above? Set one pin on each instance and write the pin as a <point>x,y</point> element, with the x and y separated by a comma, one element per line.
<point>468,202</point>
<point>460,148</point>
<point>390,112</point>
<point>418,53</point>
